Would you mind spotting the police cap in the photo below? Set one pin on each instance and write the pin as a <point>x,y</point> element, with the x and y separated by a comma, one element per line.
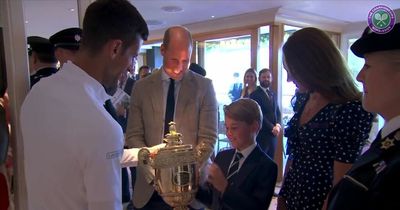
<point>40,45</point>
<point>69,38</point>
<point>373,42</point>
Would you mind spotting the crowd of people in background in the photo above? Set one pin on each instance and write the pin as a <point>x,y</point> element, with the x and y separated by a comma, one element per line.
<point>109,111</point>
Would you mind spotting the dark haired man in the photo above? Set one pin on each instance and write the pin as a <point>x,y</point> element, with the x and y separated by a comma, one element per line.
<point>73,150</point>
<point>144,71</point>
<point>266,98</point>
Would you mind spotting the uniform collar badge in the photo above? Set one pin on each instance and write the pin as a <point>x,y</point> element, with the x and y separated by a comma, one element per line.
<point>387,143</point>
<point>379,166</point>
<point>77,37</point>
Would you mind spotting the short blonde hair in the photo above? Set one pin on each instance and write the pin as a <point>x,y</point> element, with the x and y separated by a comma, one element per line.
<point>245,110</point>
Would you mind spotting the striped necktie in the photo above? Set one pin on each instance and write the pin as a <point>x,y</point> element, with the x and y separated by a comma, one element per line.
<point>234,167</point>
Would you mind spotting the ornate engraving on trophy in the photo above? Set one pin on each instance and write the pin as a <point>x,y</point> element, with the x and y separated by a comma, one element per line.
<point>176,166</point>
<point>182,175</point>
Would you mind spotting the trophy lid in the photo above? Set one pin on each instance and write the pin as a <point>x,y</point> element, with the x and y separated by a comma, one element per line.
<point>173,138</point>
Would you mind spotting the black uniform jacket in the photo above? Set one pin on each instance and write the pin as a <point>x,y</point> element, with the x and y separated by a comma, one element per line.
<point>374,180</point>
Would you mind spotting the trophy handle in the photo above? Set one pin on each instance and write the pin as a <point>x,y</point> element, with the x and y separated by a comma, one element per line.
<point>145,164</point>
<point>203,152</point>
<point>144,157</point>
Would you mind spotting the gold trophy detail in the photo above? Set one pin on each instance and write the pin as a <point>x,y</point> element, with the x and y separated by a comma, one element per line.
<point>176,167</point>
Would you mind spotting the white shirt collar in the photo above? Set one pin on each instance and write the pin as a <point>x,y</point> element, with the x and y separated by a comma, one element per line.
<point>246,152</point>
<point>390,126</point>
<point>264,89</point>
<point>165,77</point>
<point>91,85</point>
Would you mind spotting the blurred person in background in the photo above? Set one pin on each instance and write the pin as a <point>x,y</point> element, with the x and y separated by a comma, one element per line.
<point>144,71</point>
<point>236,88</point>
<point>42,60</point>
<point>271,124</point>
<point>249,82</point>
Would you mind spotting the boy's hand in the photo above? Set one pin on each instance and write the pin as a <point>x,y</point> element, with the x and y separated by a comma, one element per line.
<point>217,178</point>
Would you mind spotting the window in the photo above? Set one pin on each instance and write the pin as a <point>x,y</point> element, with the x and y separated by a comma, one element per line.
<point>263,48</point>
<point>288,91</point>
<point>223,58</point>
<point>355,63</point>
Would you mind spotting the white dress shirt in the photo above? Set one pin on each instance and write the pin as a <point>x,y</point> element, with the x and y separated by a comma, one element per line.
<point>245,152</point>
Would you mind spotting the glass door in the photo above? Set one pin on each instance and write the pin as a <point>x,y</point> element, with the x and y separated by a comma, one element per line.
<point>288,91</point>
<point>225,61</point>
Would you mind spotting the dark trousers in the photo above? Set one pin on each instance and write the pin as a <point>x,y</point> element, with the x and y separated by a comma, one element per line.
<point>157,203</point>
<point>133,179</point>
<point>126,194</point>
<point>267,143</point>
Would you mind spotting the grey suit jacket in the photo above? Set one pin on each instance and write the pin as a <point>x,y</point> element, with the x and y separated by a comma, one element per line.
<point>195,118</point>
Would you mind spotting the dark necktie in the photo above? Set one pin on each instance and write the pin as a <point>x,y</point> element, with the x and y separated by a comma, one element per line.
<point>170,107</point>
<point>268,94</point>
<point>110,109</point>
<point>234,168</point>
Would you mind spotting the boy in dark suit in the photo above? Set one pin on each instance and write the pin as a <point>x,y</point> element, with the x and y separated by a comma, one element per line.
<point>243,177</point>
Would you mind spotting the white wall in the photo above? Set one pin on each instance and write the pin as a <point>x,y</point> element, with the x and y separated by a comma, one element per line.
<point>12,22</point>
<point>355,30</point>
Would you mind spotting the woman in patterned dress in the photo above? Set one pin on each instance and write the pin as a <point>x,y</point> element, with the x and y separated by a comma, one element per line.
<point>328,129</point>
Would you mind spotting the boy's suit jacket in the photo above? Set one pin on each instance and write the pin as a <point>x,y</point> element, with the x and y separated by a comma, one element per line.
<point>195,118</point>
<point>252,188</point>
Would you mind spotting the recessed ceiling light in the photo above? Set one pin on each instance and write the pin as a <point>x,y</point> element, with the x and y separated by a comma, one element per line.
<point>212,16</point>
<point>154,22</point>
<point>172,9</point>
<point>71,9</point>
<point>26,21</point>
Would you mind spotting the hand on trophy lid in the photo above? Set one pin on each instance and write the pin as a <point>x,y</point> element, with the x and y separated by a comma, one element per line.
<point>154,149</point>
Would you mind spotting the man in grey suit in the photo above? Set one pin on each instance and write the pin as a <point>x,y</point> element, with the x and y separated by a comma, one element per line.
<point>194,112</point>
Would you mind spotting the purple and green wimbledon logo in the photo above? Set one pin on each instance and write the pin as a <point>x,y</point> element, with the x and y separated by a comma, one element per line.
<point>381,19</point>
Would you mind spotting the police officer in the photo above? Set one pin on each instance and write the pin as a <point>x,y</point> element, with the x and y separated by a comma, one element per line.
<point>66,43</point>
<point>373,182</point>
<point>42,61</point>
